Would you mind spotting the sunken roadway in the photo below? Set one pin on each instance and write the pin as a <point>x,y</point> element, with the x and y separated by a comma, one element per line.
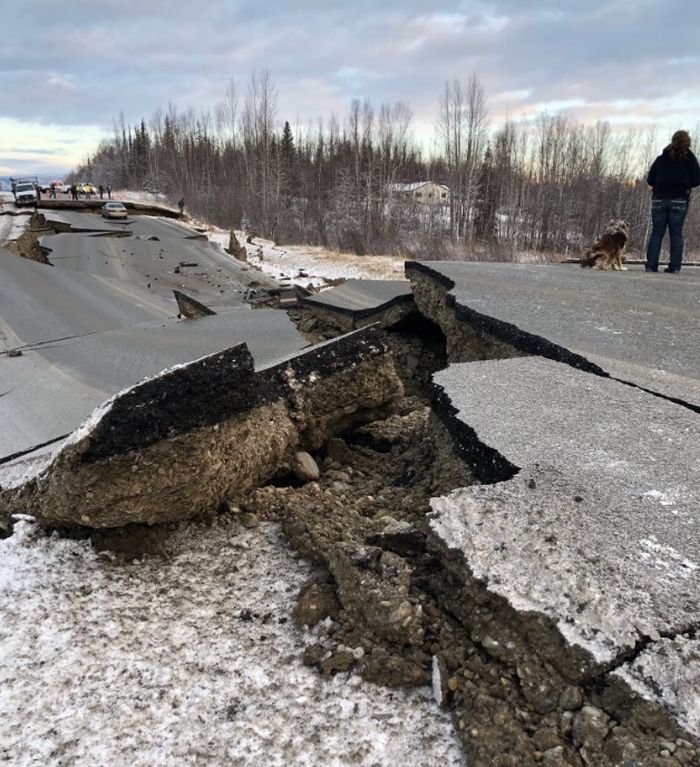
<point>101,316</point>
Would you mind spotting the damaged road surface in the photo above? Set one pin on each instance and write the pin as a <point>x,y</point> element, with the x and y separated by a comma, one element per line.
<point>637,327</point>
<point>164,395</point>
<point>582,555</point>
<point>526,545</point>
<point>201,433</point>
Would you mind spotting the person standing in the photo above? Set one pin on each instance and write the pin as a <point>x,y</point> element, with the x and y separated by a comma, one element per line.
<point>102,191</point>
<point>181,205</point>
<point>109,192</point>
<point>671,177</point>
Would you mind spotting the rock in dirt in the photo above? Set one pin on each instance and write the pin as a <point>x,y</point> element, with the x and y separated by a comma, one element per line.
<point>305,467</point>
<point>249,520</point>
<point>317,601</point>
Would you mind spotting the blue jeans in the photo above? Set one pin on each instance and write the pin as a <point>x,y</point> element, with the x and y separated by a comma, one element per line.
<point>671,214</point>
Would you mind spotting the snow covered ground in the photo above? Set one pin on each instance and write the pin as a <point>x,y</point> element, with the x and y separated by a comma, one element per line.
<point>309,264</point>
<point>144,197</point>
<point>11,227</point>
<point>190,659</point>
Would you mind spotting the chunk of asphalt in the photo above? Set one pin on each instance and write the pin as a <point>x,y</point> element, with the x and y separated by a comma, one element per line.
<point>590,535</point>
<point>190,308</point>
<point>204,432</point>
<point>601,322</point>
<point>360,302</point>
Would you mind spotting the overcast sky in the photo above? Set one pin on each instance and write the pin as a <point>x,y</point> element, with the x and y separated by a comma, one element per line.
<point>69,67</point>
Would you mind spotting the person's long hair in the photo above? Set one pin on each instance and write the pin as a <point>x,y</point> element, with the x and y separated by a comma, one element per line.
<point>680,145</point>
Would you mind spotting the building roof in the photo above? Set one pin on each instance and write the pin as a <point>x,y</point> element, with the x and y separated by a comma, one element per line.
<point>414,185</point>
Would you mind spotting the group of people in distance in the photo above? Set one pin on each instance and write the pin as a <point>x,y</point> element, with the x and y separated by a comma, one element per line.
<point>87,191</point>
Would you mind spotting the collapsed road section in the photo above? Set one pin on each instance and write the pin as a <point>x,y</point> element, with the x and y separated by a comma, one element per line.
<point>637,328</point>
<point>582,557</point>
<point>571,574</point>
<point>527,545</point>
<point>200,434</point>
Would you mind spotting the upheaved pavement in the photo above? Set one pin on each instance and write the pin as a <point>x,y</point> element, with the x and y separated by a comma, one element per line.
<point>364,301</point>
<point>637,327</point>
<point>587,524</point>
<point>55,384</point>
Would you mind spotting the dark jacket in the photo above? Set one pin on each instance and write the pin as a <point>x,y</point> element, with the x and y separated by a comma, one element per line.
<point>673,179</point>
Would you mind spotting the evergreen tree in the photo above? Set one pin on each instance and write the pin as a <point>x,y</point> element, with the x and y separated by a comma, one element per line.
<point>486,202</point>
<point>288,162</point>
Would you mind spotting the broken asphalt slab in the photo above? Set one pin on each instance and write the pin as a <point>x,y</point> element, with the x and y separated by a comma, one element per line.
<point>202,432</point>
<point>590,534</point>
<point>640,328</point>
<point>51,388</point>
<point>361,302</point>
<point>161,266</point>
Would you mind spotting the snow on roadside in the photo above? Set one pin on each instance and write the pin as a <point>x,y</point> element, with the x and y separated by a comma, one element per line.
<point>187,660</point>
<point>309,264</point>
<point>147,198</point>
<point>12,226</point>
<point>297,264</point>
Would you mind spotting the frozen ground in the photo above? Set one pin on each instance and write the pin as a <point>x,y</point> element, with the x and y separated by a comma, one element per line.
<point>190,659</point>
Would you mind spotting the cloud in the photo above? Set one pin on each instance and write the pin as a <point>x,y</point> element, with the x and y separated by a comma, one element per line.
<point>49,149</point>
<point>81,64</point>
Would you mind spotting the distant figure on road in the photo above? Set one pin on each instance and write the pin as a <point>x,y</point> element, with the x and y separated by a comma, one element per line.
<point>181,205</point>
<point>672,175</point>
<point>73,192</point>
<point>102,191</point>
<point>52,192</point>
<point>109,192</point>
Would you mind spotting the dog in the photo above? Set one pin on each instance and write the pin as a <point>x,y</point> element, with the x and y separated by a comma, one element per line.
<point>606,252</point>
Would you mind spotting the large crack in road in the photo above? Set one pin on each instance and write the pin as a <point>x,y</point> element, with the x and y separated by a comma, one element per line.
<point>488,534</point>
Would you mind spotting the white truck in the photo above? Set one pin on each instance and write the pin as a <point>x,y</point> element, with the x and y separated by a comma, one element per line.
<point>25,191</point>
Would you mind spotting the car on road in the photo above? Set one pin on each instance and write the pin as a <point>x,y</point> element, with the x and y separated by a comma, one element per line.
<point>113,210</point>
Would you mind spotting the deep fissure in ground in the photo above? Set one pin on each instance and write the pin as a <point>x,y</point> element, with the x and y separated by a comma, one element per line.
<point>403,610</point>
<point>398,608</point>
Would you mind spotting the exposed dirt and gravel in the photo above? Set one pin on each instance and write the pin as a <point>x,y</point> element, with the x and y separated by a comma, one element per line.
<point>27,243</point>
<point>383,600</point>
<point>396,606</point>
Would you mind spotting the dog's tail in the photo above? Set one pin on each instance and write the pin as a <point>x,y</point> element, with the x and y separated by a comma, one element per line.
<point>589,258</point>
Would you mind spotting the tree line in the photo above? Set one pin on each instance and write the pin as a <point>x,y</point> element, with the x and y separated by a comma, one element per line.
<point>547,185</point>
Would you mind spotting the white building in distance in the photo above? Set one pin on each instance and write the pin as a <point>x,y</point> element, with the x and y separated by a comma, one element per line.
<point>425,192</point>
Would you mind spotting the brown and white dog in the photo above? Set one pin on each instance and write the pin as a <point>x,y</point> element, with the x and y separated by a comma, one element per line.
<point>606,252</point>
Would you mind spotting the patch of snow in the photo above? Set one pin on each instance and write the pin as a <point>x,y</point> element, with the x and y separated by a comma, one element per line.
<point>666,559</point>
<point>436,681</point>
<point>311,265</point>
<point>668,673</point>
<point>668,497</point>
<point>148,198</point>
<point>190,659</point>
<point>12,226</point>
